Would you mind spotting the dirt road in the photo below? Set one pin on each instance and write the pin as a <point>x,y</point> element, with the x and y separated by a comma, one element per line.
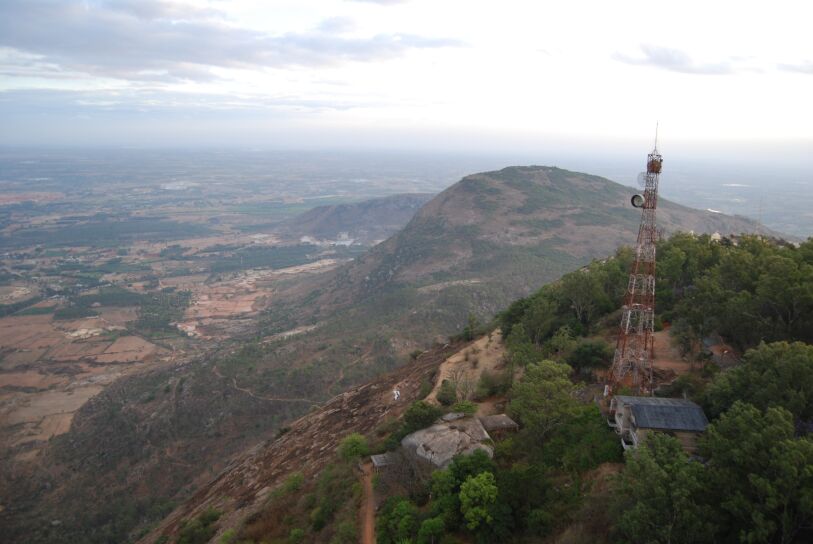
<point>667,356</point>
<point>367,513</point>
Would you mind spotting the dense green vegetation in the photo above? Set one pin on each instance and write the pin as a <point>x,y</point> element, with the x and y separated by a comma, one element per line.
<point>533,486</point>
<point>750,292</point>
<point>755,483</point>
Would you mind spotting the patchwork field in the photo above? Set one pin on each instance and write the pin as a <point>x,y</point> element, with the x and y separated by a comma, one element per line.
<point>50,368</point>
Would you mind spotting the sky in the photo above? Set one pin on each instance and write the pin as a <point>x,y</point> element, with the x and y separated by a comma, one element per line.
<point>719,77</point>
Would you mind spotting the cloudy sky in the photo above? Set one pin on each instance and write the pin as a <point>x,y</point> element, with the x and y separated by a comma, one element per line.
<point>419,74</point>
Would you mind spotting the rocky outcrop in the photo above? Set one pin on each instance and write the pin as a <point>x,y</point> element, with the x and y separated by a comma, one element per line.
<point>452,436</point>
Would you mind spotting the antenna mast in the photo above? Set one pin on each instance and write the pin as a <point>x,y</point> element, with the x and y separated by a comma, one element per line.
<point>634,350</point>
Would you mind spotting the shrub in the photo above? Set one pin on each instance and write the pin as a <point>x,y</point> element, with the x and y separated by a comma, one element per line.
<point>199,530</point>
<point>296,535</point>
<point>492,383</point>
<point>447,394</point>
<point>419,415</point>
<point>353,446</point>
<point>228,537</point>
<point>465,406</point>
<point>346,533</point>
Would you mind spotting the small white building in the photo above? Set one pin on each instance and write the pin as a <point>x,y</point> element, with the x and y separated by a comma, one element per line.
<point>635,417</point>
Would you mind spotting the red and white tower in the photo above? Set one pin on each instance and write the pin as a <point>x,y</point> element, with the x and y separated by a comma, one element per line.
<point>634,351</point>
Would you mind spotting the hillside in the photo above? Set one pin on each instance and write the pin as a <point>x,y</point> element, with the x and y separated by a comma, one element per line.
<point>280,488</point>
<point>364,222</point>
<point>495,236</point>
<point>472,249</point>
<point>243,487</point>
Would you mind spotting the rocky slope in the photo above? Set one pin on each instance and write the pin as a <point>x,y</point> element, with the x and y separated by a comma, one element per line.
<point>309,443</point>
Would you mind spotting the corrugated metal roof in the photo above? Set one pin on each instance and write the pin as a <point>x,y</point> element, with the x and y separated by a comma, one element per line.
<point>666,414</point>
<point>381,460</point>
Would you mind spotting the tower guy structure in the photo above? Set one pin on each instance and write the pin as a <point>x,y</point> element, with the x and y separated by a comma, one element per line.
<point>634,350</point>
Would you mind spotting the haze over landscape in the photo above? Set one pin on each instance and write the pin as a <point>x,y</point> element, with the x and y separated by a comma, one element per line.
<point>246,245</point>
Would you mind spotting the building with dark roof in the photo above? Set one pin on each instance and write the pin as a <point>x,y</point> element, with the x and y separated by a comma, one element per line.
<point>635,417</point>
<point>382,461</point>
<point>498,425</point>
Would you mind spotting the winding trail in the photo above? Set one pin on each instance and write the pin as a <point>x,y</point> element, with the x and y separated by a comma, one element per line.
<point>367,513</point>
<point>259,397</point>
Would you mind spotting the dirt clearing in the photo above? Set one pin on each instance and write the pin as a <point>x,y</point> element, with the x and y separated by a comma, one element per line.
<point>667,356</point>
<point>465,367</point>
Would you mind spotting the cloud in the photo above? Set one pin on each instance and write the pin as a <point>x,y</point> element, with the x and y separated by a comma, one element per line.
<point>674,60</point>
<point>160,40</point>
<point>801,68</point>
<point>337,25</point>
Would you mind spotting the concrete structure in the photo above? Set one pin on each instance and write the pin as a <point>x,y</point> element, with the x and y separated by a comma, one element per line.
<point>635,417</point>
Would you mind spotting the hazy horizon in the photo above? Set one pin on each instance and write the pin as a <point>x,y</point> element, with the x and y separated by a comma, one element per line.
<point>777,195</point>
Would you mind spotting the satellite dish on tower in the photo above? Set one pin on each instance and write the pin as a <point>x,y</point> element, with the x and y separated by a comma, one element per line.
<point>637,201</point>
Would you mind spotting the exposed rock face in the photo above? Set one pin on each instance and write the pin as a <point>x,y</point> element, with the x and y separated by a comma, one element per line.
<point>441,442</point>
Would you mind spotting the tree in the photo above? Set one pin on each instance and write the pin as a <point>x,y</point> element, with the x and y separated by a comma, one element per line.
<point>543,400</point>
<point>477,495</point>
<point>541,317</point>
<point>419,415</point>
<point>445,485</point>
<point>778,374</point>
<point>522,350</point>
<point>563,342</point>
<point>583,291</point>
<point>659,496</point>
<point>431,530</point>
<point>683,336</point>
<point>785,289</point>
<point>464,466</point>
<point>398,521</point>
<point>762,477</point>
<point>353,446</point>
<point>589,354</point>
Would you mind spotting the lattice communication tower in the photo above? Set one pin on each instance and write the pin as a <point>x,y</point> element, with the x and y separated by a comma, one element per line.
<point>634,350</point>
